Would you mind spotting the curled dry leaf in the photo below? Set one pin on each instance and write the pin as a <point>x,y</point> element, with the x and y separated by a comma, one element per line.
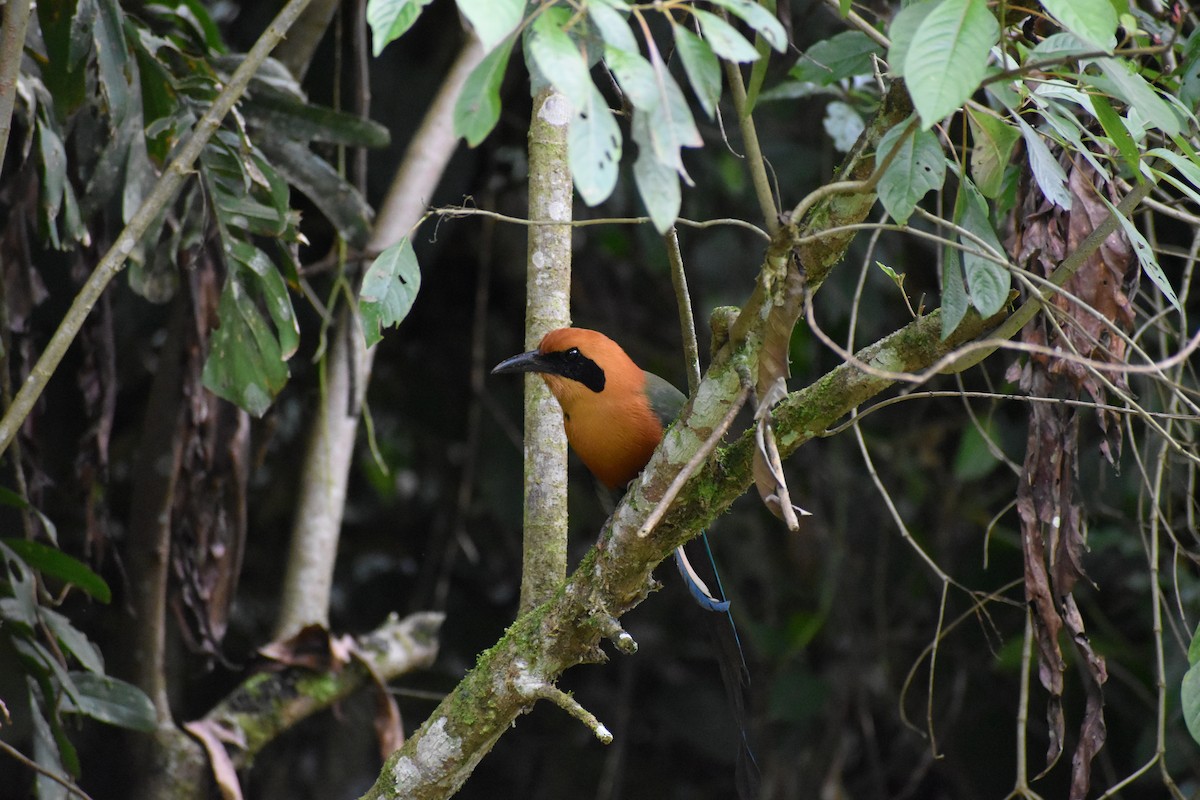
<point>312,647</point>
<point>214,737</point>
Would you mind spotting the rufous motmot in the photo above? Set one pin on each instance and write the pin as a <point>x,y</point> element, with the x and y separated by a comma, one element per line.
<point>614,413</point>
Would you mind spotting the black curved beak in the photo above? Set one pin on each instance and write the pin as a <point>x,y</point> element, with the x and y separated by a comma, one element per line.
<point>533,361</point>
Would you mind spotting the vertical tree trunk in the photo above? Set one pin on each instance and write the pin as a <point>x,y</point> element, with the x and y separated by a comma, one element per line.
<point>547,306</point>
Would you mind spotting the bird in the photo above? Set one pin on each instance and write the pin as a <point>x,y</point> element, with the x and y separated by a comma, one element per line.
<point>614,414</point>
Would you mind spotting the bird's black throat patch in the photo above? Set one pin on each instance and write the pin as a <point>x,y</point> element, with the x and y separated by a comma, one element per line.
<point>576,366</point>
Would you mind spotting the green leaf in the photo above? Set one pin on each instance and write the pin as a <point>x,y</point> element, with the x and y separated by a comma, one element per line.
<point>653,92</point>
<point>1117,133</point>
<point>954,292</point>
<point>657,183</point>
<point>1131,87</point>
<point>613,28</point>
<point>55,563</point>
<point>1047,172</point>
<point>53,164</point>
<point>66,35</point>
<point>46,752</point>
<point>112,701</point>
<point>702,68</point>
<point>285,115</point>
<point>988,281</point>
<point>948,57</point>
<point>1189,697</point>
<point>477,109</point>
<point>992,144</point>
<point>492,20</point>
<point>1093,20</point>
<point>22,607</point>
<point>389,288</point>
<point>329,191</point>
<point>760,19</point>
<point>73,640</point>
<point>917,168</point>
<point>594,150</point>
<point>114,61</point>
<point>1187,168</point>
<point>389,19</point>
<point>1193,654</point>
<point>557,57</point>
<point>974,459</point>
<point>247,361</point>
<point>903,28</point>
<point>845,55</point>
<point>1145,254</point>
<point>724,39</point>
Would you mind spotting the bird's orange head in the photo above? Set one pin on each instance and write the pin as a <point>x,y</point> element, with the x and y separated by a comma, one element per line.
<point>606,413</point>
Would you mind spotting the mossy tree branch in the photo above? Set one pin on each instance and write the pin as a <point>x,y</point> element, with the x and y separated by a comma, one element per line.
<point>615,576</point>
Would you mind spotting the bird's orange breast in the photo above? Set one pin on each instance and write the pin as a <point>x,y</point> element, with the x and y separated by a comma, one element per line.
<point>613,432</point>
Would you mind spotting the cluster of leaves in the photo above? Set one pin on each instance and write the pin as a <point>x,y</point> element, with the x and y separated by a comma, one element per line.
<point>63,668</point>
<point>561,47</point>
<point>1057,93</point>
<point>106,97</point>
<point>147,80</point>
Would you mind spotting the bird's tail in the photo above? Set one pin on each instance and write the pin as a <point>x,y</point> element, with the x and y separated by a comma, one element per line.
<point>735,675</point>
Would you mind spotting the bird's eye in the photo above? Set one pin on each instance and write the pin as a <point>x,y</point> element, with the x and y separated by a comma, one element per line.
<point>573,352</point>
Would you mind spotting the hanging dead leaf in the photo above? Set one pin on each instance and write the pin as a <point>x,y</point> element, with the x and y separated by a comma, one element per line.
<point>313,648</point>
<point>1087,320</point>
<point>214,738</point>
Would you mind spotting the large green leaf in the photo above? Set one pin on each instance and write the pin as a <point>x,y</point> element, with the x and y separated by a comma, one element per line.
<point>702,68</point>
<point>556,57</point>
<point>1189,690</point>
<point>329,191</point>
<point>917,168</point>
<point>842,56</point>
<point>992,142</point>
<point>612,27</point>
<point>389,19</point>
<point>247,358</point>
<point>594,148</point>
<point>55,563</point>
<point>1047,172</point>
<point>283,115</point>
<point>1120,79</point>
<point>1145,254</point>
<point>760,19</point>
<point>987,280</point>
<point>657,183</point>
<point>724,38</point>
<point>1093,20</point>
<point>493,20</point>
<point>478,106</point>
<point>903,29</point>
<point>946,61</point>
<point>653,92</point>
<point>954,291</point>
<point>112,701</point>
<point>389,289</point>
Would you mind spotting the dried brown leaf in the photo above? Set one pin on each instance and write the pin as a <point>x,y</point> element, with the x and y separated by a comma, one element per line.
<point>214,738</point>
<point>313,648</point>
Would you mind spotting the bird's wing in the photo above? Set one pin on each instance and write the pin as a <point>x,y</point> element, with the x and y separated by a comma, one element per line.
<point>665,399</point>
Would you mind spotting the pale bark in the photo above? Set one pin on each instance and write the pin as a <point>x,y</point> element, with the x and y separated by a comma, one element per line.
<point>547,306</point>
